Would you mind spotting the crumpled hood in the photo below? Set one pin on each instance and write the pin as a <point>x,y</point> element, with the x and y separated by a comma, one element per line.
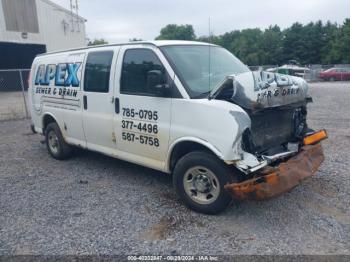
<point>258,90</point>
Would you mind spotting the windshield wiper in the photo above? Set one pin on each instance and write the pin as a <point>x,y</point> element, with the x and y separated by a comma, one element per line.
<point>204,94</point>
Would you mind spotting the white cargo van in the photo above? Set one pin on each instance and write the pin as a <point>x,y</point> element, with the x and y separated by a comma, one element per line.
<point>187,108</point>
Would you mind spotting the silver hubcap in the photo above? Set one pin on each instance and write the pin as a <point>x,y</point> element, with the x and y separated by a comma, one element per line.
<point>201,185</point>
<point>53,142</point>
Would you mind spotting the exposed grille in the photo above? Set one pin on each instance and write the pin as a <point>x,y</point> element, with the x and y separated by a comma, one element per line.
<point>271,128</point>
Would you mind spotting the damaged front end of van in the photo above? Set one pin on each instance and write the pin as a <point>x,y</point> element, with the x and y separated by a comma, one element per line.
<point>279,150</point>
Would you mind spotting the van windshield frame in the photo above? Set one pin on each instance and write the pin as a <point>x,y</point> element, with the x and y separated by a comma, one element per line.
<point>191,65</point>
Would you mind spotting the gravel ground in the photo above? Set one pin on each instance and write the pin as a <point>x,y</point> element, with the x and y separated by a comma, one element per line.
<point>95,204</point>
<point>12,105</point>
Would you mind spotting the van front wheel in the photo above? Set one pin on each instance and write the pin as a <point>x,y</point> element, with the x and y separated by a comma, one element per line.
<point>57,147</point>
<point>199,179</point>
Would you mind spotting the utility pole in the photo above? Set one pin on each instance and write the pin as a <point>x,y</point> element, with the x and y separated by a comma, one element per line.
<point>77,12</point>
<point>72,15</point>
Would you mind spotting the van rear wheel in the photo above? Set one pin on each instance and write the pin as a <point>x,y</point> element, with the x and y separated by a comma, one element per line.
<point>199,179</point>
<point>57,147</point>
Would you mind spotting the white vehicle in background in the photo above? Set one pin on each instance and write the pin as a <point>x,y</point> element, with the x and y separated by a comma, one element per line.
<point>186,108</point>
<point>292,68</point>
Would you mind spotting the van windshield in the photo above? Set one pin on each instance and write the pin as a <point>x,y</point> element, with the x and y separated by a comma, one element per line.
<point>191,64</point>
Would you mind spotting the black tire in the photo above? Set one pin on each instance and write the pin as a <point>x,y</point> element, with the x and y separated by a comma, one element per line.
<point>332,79</point>
<point>217,167</point>
<point>63,150</point>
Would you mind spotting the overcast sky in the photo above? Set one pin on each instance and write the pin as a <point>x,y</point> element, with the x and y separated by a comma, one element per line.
<point>120,20</point>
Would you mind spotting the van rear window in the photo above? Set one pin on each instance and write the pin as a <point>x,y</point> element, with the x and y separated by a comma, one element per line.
<point>97,71</point>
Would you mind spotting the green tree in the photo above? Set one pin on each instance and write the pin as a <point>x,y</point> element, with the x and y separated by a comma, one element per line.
<point>212,39</point>
<point>228,38</point>
<point>246,46</point>
<point>100,41</point>
<point>293,43</point>
<point>313,43</point>
<point>329,50</point>
<point>271,46</point>
<point>177,32</point>
<point>342,44</point>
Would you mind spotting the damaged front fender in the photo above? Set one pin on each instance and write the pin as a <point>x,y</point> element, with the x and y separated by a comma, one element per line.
<point>271,183</point>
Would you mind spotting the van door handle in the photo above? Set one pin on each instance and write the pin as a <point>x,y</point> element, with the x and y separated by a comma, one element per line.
<point>85,102</point>
<point>116,105</point>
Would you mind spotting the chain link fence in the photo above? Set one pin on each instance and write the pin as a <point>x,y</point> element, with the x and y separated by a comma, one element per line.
<point>341,73</point>
<point>13,94</point>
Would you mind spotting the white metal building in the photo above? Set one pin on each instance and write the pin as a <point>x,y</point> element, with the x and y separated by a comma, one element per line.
<point>29,27</point>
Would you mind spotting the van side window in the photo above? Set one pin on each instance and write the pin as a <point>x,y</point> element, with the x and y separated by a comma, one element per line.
<point>97,71</point>
<point>137,64</point>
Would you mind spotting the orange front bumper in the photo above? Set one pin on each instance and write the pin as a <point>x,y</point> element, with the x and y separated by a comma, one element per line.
<point>282,178</point>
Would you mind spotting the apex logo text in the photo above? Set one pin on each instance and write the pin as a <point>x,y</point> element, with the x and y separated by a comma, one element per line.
<point>64,74</point>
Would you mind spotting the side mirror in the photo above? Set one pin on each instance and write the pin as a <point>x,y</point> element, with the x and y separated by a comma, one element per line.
<point>226,89</point>
<point>155,81</point>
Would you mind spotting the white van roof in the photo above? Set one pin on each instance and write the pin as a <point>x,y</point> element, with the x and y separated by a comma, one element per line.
<point>154,43</point>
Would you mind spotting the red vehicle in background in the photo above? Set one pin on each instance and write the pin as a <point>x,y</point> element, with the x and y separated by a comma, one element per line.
<point>333,74</point>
